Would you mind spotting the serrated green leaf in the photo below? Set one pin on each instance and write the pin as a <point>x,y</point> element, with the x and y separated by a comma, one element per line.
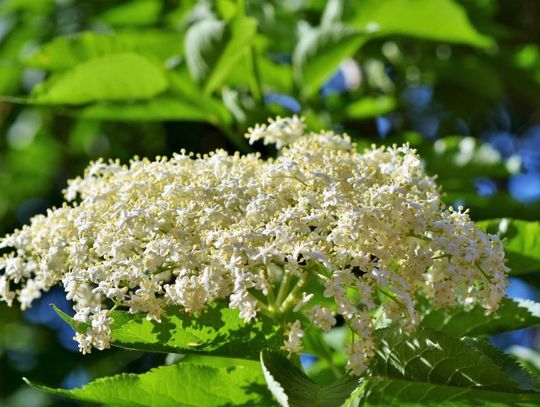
<point>213,48</point>
<point>439,20</point>
<point>380,392</point>
<point>429,356</point>
<point>508,363</point>
<point>67,51</point>
<point>430,368</point>
<point>512,314</point>
<point>528,357</point>
<point>216,331</point>
<point>123,76</point>
<point>319,53</point>
<point>183,385</point>
<point>292,388</point>
<point>521,240</point>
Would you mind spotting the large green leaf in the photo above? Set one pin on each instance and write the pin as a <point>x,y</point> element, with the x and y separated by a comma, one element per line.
<point>123,76</point>
<point>440,20</point>
<point>67,51</point>
<point>186,384</point>
<point>319,53</point>
<point>213,48</point>
<point>216,331</point>
<point>521,241</point>
<point>378,391</point>
<point>429,356</point>
<point>430,368</point>
<point>512,314</point>
<point>292,388</point>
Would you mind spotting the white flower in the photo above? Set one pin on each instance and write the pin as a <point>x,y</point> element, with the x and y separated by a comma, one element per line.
<point>322,317</point>
<point>293,343</point>
<point>191,230</point>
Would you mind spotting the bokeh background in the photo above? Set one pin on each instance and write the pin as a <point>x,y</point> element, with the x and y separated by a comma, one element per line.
<point>83,79</point>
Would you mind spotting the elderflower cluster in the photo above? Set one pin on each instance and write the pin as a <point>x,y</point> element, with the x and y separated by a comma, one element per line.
<point>368,228</point>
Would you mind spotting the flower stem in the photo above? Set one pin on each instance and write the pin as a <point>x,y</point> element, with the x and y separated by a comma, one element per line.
<point>283,288</point>
<point>292,297</point>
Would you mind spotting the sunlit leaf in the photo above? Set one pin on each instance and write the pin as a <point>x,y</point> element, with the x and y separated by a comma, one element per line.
<point>68,51</point>
<point>216,331</point>
<point>439,20</point>
<point>186,384</point>
<point>132,13</point>
<point>123,76</point>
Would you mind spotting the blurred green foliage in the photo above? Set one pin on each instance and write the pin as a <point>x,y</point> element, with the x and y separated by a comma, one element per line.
<point>91,78</point>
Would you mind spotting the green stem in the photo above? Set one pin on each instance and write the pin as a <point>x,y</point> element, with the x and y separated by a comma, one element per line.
<point>292,297</point>
<point>270,296</point>
<point>283,288</point>
<point>265,309</point>
<point>393,298</point>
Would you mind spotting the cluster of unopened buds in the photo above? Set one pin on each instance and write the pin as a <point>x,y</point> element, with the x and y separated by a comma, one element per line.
<point>368,228</point>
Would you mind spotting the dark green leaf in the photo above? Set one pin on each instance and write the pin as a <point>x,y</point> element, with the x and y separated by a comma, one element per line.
<point>187,384</point>
<point>512,314</point>
<point>521,240</point>
<point>379,391</point>
<point>124,76</point>
<point>439,20</point>
<point>429,356</point>
<point>292,388</point>
<point>508,363</point>
<point>430,368</point>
